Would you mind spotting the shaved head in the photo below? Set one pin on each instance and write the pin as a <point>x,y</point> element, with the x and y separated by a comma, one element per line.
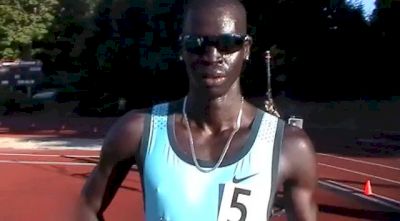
<point>233,7</point>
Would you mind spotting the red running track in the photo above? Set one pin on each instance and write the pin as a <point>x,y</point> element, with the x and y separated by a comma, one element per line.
<point>383,173</point>
<point>44,185</point>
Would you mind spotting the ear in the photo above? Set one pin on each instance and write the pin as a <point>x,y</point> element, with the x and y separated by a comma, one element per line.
<point>247,46</point>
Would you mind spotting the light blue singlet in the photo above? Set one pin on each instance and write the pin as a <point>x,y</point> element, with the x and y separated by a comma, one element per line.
<point>175,190</point>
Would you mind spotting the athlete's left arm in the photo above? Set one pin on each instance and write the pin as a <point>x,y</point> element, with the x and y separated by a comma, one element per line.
<point>301,175</point>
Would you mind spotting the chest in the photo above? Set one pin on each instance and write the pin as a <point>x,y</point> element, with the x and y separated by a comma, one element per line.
<point>211,147</point>
<point>244,179</point>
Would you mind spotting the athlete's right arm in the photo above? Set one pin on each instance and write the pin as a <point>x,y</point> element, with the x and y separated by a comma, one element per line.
<point>116,158</point>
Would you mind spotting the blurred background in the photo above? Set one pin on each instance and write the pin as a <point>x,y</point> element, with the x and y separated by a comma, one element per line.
<point>100,58</point>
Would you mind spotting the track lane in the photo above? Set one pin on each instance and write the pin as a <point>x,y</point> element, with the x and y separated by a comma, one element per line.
<point>40,186</point>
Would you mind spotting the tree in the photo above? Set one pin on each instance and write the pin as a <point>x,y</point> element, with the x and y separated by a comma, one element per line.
<point>61,48</point>
<point>21,23</point>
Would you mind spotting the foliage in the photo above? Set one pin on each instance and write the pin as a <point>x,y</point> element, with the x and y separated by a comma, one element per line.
<point>22,22</point>
<point>118,45</point>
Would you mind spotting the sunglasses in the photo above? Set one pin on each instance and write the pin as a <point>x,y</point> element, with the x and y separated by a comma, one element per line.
<point>225,43</point>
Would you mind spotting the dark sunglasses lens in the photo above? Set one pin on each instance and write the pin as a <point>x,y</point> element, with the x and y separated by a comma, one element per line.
<point>229,43</point>
<point>193,44</point>
<point>225,43</point>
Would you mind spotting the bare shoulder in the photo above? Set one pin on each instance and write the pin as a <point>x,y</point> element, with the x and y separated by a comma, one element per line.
<point>298,170</point>
<point>298,153</point>
<point>296,139</point>
<point>123,138</point>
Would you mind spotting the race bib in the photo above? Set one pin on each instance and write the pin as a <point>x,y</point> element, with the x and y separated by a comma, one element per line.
<point>239,203</point>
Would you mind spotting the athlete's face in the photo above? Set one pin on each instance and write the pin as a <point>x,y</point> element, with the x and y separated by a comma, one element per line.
<point>214,47</point>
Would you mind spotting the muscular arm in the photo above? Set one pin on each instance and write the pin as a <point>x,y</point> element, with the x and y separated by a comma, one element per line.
<point>301,176</point>
<point>116,158</point>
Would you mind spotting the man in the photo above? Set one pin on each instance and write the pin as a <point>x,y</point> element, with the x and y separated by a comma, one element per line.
<point>210,155</point>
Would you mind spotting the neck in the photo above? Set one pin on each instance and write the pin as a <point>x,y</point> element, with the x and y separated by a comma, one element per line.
<point>214,114</point>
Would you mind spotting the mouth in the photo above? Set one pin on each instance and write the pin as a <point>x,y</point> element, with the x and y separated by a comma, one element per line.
<point>213,80</point>
<point>210,75</point>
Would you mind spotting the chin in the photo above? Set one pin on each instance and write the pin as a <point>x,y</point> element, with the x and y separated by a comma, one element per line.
<point>213,92</point>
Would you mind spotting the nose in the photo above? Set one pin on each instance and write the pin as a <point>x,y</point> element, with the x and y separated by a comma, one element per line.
<point>211,55</point>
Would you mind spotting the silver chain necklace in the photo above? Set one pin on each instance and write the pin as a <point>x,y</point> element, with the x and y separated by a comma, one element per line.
<point>227,145</point>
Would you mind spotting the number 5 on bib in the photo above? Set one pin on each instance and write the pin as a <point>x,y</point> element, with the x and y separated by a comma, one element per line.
<point>236,203</point>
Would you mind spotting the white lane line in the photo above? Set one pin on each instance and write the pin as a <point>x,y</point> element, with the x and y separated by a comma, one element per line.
<point>382,200</point>
<point>48,155</point>
<point>52,163</point>
<point>360,173</point>
<point>359,161</point>
<point>46,163</point>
